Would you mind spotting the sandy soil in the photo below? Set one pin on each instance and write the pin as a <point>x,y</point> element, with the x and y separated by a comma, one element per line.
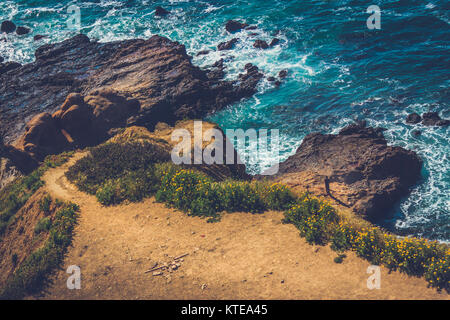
<point>244,256</point>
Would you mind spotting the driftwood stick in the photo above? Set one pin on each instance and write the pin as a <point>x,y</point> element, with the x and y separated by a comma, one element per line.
<point>154,269</point>
<point>181,256</point>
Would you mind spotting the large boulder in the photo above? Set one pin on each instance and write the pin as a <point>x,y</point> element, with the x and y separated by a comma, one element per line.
<point>79,122</point>
<point>42,137</point>
<point>355,168</point>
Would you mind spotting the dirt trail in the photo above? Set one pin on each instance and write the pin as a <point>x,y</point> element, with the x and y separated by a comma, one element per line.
<point>244,256</point>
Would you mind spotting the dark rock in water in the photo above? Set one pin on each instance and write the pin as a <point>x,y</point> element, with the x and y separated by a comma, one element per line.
<point>122,83</point>
<point>1,59</point>
<point>251,28</point>
<point>363,172</point>
<point>250,79</point>
<point>260,44</point>
<point>417,133</point>
<point>22,30</point>
<point>39,37</point>
<point>8,66</point>
<point>413,118</point>
<point>271,79</point>
<point>283,74</point>
<point>203,52</point>
<point>161,12</point>
<point>433,119</point>
<point>234,26</point>
<point>274,42</point>
<point>7,26</point>
<point>277,83</point>
<point>227,45</point>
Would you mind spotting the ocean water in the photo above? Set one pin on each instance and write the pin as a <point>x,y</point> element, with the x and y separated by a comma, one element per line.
<point>339,71</point>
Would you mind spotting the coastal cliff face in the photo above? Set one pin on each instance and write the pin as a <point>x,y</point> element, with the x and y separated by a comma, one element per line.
<point>355,168</point>
<point>156,72</point>
<point>78,91</point>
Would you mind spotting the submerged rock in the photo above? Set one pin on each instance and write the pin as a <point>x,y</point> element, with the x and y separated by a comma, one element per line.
<point>160,11</point>
<point>39,37</point>
<point>261,44</point>
<point>22,30</point>
<point>227,45</point>
<point>7,26</point>
<point>413,118</point>
<point>355,168</point>
<point>433,119</point>
<point>234,26</point>
<point>274,42</point>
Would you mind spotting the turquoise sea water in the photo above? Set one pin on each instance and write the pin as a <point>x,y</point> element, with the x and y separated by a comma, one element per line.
<point>339,71</point>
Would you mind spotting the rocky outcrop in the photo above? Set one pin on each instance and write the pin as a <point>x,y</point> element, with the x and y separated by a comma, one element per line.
<point>162,136</point>
<point>413,118</point>
<point>78,91</point>
<point>156,72</point>
<point>8,66</point>
<point>234,26</point>
<point>7,26</point>
<point>427,119</point>
<point>261,44</point>
<point>228,45</point>
<point>161,12</point>
<point>355,168</point>
<point>22,31</point>
<point>79,122</point>
<point>433,119</point>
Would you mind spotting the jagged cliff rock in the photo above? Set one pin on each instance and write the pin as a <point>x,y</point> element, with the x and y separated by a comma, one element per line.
<point>156,72</point>
<point>356,168</point>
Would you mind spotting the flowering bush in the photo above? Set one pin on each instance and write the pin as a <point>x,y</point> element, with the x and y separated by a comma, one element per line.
<point>314,218</point>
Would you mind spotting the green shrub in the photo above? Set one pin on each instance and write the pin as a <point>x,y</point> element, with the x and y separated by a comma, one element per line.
<point>340,258</point>
<point>314,218</point>
<point>43,225</point>
<point>278,196</point>
<point>45,203</point>
<point>240,196</point>
<point>416,257</point>
<point>438,274</point>
<point>32,274</point>
<point>179,187</point>
<point>112,161</point>
<point>16,193</point>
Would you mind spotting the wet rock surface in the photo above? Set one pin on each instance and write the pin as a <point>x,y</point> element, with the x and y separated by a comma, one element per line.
<point>355,168</point>
<point>234,26</point>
